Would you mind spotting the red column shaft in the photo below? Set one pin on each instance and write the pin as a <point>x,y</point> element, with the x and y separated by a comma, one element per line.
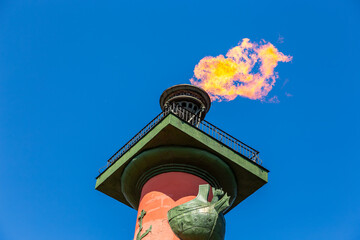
<point>159,195</point>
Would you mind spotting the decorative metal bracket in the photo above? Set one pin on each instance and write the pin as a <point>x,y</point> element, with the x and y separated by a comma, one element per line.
<point>140,236</point>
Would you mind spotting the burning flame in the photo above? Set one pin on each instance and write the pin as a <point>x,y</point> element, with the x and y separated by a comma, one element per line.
<point>247,70</point>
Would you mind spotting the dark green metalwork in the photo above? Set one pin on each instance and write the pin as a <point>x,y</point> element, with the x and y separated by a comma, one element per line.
<point>199,219</point>
<point>204,126</point>
<point>140,236</point>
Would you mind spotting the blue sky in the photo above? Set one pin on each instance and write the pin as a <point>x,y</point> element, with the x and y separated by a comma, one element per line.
<point>79,78</point>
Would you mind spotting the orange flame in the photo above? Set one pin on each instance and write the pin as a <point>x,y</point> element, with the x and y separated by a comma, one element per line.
<point>247,70</point>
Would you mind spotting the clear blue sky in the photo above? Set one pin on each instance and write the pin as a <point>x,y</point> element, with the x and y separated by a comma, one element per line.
<point>79,78</point>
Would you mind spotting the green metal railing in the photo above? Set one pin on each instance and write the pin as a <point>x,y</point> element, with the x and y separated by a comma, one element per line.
<point>194,120</point>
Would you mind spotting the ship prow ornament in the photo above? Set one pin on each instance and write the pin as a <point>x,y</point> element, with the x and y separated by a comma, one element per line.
<point>200,219</point>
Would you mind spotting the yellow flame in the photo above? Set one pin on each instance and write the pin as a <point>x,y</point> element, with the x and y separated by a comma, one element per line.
<point>247,70</point>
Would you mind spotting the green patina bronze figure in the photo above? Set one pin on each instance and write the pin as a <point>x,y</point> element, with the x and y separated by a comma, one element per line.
<point>140,236</point>
<point>199,219</point>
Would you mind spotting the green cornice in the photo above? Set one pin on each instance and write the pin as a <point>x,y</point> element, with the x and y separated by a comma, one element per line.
<point>172,131</point>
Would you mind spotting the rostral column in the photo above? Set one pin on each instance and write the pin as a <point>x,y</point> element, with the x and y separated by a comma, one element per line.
<point>181,173</point>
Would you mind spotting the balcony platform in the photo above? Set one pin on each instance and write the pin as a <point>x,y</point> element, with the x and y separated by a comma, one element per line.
<point>171,130</point>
